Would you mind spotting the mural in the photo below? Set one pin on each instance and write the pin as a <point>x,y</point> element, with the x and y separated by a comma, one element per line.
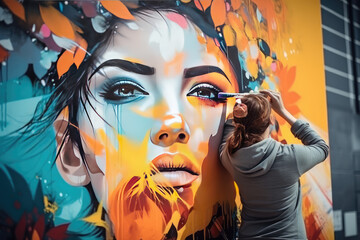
<point>110,117</point>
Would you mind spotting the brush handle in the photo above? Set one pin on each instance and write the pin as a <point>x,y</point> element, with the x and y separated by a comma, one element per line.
<point>229,95</point>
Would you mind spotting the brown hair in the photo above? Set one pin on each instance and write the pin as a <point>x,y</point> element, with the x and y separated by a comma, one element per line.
<point>248,129</point>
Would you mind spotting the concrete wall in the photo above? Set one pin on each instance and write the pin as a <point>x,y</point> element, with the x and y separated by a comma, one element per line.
<point>341,36</point>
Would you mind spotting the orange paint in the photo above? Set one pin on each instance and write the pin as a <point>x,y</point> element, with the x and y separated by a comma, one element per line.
<point>218,12</point>
<point>64,62</point>
<point>252,67</point>
<point>237,25</point>
<point>286,80</point>
<point>157,111</point>
<point>117,8</point>
<point>93,144</point>
<point>221,58</point>
<point>205,3</point>
<point>138,207</point>
<point>52,17</point>
<point>80,52</point>
<point>229,35</point>
<point>134,60</point>
<point>3,54</point>
<point>202,4</point>
<point>203,147</point>
<point>235,4</point>
<point>16,7</point>
<point>201,39</point>
<point>174,66</point>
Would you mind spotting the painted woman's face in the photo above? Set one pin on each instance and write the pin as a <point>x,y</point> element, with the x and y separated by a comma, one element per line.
<point>153,114</point>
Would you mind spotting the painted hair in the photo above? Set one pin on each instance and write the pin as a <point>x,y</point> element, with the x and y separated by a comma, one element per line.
<point>71,90</point>
<point>248,129</point>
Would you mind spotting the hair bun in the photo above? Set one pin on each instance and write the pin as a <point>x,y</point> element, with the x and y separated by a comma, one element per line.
<point>240,110</point>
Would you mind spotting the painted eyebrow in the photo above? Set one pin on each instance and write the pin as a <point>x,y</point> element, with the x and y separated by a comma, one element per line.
<point>127,66</point>
<point>202,70</point>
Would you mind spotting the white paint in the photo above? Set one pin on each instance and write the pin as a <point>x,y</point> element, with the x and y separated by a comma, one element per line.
<point>6,43</point>
<point>169,95</point>
<point>254,52</point>
<point>169,37</point>
<point>132,25</point>
<point>101,164</point>
<point>338,225</point>
<point>350,224</point>
<point>285,54</point>
<point>99,24</point>
<point>173,120</point>
<point>63,42</point>
<point>273,25</point>
<point>76,179</point>
<point>71,211</point>
<point>258,15</point>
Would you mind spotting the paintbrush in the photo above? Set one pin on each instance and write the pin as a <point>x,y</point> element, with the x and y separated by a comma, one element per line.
<point>229,95</point>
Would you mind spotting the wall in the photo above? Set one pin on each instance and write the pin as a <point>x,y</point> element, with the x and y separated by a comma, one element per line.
<point>119,128</point>
<point>343,117</point>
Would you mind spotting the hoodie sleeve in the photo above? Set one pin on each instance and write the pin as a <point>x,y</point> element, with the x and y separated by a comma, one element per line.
<point>314,150</point>
<point>224,156</point>
<point>228,129</point>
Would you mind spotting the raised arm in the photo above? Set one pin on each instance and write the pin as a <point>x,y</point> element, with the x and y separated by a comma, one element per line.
<point>314,150</point>
<point>278,106</point>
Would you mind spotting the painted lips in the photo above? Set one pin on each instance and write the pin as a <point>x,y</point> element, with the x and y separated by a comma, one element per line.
<point>174,170</point>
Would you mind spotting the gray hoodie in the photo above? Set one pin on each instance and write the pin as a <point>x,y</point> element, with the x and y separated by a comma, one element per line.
<point>267,174</point>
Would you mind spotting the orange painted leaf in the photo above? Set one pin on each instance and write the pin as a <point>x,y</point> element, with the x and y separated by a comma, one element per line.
<point>64,63</point>
<point>118,9</point>
<point>80,52</point>
<point>205,3</point>
<point>57,23</point>
<point>218,12</point>
<point>198,5</point>
<point>16,8</point>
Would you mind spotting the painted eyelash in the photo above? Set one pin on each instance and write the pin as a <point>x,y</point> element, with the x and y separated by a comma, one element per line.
<point>109,85</point>
<point>206,85</point>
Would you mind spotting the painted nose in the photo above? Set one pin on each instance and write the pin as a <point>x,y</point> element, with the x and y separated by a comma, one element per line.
<point>172,129</point>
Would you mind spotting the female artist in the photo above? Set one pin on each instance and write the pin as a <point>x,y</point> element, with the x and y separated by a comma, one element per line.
<point>266,171</point>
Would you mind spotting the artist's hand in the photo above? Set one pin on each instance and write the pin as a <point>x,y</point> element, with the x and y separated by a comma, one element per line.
<point>238,100</point>
<point>275,100</point>
<point>278,106</point>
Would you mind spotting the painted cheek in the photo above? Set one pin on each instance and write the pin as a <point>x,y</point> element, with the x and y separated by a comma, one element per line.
<point>199,103</point>
<point>155,111</point>
<point>203,147</point>
<point>121,162</point>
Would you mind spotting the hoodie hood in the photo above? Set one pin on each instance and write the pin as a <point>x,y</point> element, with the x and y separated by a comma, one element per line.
<point>257,159</point>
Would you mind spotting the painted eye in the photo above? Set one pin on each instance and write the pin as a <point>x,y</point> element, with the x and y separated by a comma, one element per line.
<point>123,92</point>
<point>205,91</point>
